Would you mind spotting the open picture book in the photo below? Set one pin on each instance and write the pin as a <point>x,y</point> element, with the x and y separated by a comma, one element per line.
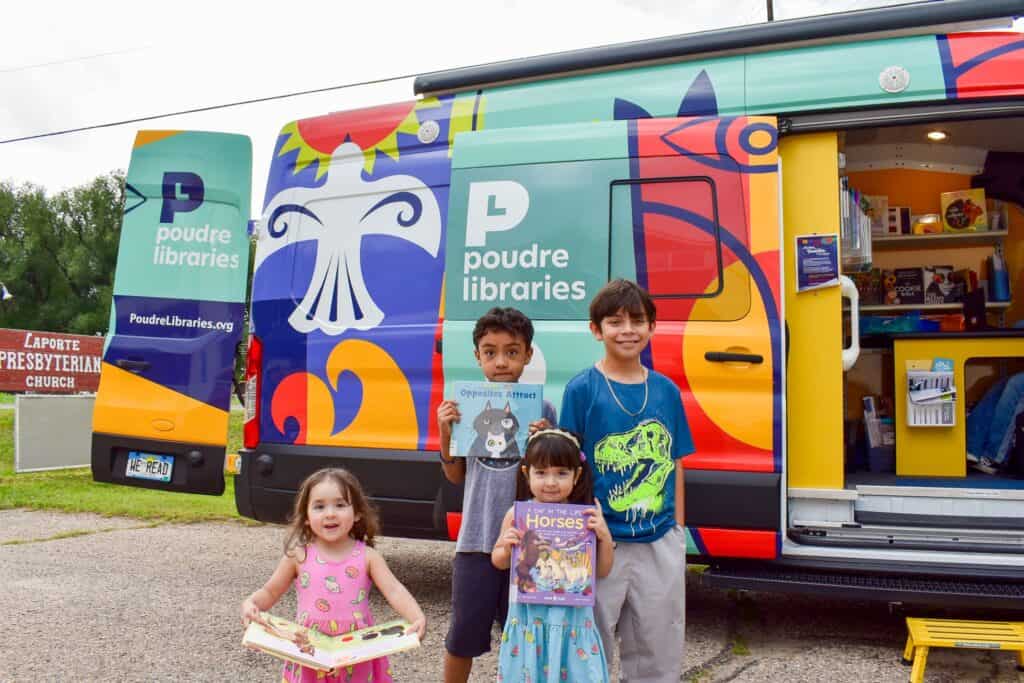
<point>294,643</point>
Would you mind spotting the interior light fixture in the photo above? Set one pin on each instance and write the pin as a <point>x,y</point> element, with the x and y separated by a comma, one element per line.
<point>937,135</point>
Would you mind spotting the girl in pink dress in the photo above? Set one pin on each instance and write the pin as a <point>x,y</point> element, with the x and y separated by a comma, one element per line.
<point>329,556</point>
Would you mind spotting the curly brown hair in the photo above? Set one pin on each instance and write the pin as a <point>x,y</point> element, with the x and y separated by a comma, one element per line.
<point>366,526</point>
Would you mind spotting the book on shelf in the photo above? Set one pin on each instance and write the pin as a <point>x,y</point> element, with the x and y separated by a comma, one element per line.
<point>554,563</point>
<point>293,642</point>
<point>496,418</point>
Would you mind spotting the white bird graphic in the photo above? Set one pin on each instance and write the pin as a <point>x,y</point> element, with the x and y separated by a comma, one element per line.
<point>337,216</point>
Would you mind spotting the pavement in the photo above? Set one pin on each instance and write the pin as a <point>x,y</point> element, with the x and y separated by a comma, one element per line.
<point>90,598</point>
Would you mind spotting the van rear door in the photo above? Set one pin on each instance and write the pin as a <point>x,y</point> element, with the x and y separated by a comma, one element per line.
<point>161,413</point>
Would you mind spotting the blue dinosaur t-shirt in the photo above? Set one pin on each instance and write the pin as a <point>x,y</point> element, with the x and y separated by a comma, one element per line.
<point>632,457</point>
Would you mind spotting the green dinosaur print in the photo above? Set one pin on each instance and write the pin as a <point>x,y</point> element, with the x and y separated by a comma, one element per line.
<point>643,457</point>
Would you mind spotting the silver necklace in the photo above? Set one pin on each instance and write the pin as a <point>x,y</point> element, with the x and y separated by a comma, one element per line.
<point>616,398</point>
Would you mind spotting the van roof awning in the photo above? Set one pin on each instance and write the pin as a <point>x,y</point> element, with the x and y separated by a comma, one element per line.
<point>939,16</point>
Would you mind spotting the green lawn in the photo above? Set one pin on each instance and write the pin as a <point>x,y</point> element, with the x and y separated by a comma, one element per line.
<point>73,490</point>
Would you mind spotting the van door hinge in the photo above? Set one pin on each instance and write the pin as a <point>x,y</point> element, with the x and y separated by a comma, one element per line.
<point>785,126</point>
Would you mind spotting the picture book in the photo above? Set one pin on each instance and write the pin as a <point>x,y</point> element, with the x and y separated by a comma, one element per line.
<point>554,562</point>
<point>294,643</point>
<point>964,210</point>
<point>496,418</point>
<point>878,212</point>
<point>940,286</point>
<point>909,286</point>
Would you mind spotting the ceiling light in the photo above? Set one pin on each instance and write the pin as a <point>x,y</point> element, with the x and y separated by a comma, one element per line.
<point>937,135</point>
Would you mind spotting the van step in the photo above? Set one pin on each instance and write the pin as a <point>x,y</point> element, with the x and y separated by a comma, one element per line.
<point>854,586</point>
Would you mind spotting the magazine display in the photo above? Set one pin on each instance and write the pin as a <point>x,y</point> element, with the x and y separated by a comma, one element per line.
<point>496,418</point>
<point>294,643</point>
<point>554,562</point>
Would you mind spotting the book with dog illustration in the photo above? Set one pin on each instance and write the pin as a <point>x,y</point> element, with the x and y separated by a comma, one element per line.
<point>554,562</point>
<point>295,643</point>
<point>496,418</point>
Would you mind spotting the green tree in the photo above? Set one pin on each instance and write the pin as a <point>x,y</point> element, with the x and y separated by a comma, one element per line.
<point>58,254</point>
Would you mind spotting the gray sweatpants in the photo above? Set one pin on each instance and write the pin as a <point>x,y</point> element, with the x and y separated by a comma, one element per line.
<point>643,602</point>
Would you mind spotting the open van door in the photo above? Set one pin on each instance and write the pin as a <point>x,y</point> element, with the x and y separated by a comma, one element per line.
<point>161,413</point>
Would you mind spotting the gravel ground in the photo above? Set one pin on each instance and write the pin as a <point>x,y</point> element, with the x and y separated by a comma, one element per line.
<point>127,602</point>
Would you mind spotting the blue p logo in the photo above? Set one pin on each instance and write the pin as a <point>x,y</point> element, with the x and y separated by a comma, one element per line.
<point>191,188</point>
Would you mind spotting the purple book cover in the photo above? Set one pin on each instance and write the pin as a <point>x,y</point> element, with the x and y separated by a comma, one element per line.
<point>554,563</point>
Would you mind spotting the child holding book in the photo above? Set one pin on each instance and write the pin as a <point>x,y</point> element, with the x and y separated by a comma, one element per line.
<point>634,427</point>
<point>549,643</point>
<point>503,342</point>
<point>329,556</point>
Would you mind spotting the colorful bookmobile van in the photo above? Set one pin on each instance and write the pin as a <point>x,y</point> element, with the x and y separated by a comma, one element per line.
<point>690,164</point>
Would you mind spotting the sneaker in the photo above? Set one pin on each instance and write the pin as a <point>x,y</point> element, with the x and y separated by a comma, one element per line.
<point>972,458</point>
<point>985,465</point>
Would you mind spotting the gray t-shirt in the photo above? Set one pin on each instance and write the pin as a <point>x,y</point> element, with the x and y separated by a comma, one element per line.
<point>489,492</point>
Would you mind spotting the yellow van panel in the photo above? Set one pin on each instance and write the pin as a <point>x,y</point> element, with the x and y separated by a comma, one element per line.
<point>129,405</point>
<point>814,376</point>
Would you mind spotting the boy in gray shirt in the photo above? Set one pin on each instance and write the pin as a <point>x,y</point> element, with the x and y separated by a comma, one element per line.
<point>503,340</point>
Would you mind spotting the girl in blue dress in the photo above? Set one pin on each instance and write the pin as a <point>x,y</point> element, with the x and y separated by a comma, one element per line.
<point>553,643</point>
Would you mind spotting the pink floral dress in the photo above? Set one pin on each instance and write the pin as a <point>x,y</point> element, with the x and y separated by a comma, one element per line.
<point>334,597</point>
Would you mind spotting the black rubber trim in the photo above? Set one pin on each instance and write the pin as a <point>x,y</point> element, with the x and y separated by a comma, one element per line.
<point>886,19</point>
<point>408,487</point>
<point>811,537</point>
<point>1006,594</point>
<point>875,117</point>
<point>197,468</point>
<point>732,500</point>
<point>941,521</point>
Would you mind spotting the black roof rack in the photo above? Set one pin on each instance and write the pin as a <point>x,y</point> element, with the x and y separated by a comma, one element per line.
<point>884,19</point>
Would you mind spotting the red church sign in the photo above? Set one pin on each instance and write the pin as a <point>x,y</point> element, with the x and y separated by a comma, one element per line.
<point>49,362</point>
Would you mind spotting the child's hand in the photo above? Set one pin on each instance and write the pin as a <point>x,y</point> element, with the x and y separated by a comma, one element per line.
<point>250,612</point>
<point>540,424</point>
<point>596,523</point>
<point>419,627</point>
<point>447,413</point>
<point>511,537</point>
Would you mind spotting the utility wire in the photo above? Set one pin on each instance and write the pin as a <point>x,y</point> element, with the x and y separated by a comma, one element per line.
<point>27,67</point>
<point>213,107</point>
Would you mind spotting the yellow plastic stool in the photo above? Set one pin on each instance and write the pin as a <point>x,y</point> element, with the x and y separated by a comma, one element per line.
<point>976,635</point>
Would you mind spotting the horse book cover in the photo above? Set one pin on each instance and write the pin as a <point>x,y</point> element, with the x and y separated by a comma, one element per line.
<point>554,562</point>
<point>496,418</point>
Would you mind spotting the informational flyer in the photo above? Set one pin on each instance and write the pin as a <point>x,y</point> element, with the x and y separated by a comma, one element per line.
<point>817,262</point>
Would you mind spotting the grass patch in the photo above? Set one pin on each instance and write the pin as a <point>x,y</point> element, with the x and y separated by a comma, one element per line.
<point>6,399</point>
<point>73,490</point>
<point>740,647</point>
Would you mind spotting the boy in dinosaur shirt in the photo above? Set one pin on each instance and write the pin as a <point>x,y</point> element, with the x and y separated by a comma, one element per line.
<point>634,436</point>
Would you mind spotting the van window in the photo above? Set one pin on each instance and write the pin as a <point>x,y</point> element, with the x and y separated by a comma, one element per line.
<point>674,227</point>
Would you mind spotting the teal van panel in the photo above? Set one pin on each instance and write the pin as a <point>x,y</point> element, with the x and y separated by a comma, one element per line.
<point>541,145</point>
<point>843,75</point>
<point>184,231</point>
<point>704,87</point>
<point>534,236</point>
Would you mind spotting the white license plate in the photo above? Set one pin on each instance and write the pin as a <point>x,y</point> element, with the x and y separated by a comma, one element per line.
<point>149,466</point>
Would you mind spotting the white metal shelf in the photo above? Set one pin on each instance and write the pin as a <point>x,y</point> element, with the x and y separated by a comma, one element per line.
<point>940,239</point>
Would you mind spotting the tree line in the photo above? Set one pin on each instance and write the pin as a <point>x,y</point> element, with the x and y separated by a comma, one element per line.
<point>58,254</point>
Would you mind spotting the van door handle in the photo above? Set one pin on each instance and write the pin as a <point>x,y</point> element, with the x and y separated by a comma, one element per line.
<point>135,366</point>
<point>726,357</point>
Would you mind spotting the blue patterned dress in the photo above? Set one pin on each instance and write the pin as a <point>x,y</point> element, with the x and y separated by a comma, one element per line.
<point>551,644</point>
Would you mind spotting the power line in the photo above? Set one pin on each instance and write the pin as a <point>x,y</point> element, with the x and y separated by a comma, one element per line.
<point>214,107</point>
<point>27,67</point>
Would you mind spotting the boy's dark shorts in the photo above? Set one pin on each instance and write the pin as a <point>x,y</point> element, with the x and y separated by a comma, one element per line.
<point>479,599</point>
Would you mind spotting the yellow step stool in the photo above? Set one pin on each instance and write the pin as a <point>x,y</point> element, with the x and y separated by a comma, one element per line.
<point>976,635</point>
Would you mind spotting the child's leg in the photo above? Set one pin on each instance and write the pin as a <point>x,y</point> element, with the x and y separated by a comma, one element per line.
<point>476,596</point>
<point>652,627</point>
<point>610,593</point>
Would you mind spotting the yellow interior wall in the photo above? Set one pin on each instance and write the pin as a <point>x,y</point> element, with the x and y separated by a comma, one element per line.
<point>814,372</point>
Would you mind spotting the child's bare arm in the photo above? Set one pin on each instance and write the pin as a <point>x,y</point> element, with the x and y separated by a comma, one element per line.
<point>267,596</point>
<point>501,556</point>
<point>397,595</point>
<point>454,468</point>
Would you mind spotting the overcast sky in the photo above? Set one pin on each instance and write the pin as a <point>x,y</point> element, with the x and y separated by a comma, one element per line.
<point>66,64</point>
